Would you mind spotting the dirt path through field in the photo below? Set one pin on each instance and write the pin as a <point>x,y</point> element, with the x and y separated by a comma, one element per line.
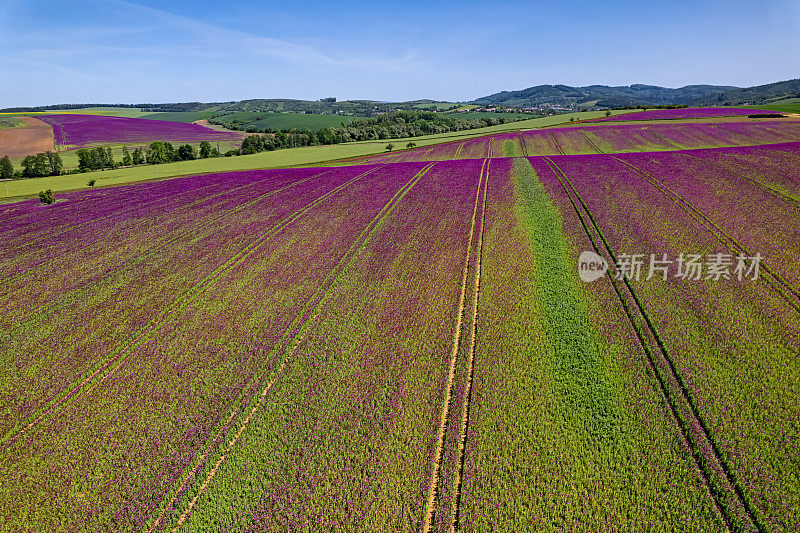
<point>216,127</point>
<point>36,137</point>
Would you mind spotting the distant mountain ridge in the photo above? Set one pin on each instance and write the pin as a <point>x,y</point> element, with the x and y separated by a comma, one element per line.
<point>558,95</point>
<point>760,94</point>
<point>603,95</point>
<point>637,94</point>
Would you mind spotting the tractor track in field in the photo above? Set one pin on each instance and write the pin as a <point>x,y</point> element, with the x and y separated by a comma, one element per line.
<point>722,236</point>
<point>664,139</point>
<point>523,144</point>
<point>761,185</point>
<point>113,361</point>
<point>433,487</point>
<point>74,294</point>
<point>470,362</point>
<point>284,348</point>
<point>597,149</point>
<point>152,249</point>
<point>725,489</point>
<point>558,145</point>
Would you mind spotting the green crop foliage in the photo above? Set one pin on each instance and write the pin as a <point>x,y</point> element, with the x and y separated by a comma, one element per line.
<point>555,443</point>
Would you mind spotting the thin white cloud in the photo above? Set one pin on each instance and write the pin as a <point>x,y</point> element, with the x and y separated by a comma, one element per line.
<point>246,42</point>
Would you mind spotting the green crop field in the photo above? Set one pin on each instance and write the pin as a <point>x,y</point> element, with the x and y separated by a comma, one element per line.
<point>471,115</point>
<point>788,106</point>
<point>107,111</point>
<point>437,105</point>
<point>178,116</point>
<point>286,120</point>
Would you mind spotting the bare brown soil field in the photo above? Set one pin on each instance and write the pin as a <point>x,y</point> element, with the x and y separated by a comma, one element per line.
<point>32,139</point>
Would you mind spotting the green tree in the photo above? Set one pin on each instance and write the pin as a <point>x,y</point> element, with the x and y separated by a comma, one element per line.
<point>411,145</point>
<point>608,113</point>
<point>6,168</point>
<point>34,166</point>
<point>127,160</point>
<point>157,153</point>
<point>46,197</point>
<point>138,156</point>
<point>252,144</point>
<point>54,163</point>
<point>90,183</point>
<point>389,147</point>
<point>205,150</point>
<point>86,160</point>
<point>186,152</point>
<point>108,158</point>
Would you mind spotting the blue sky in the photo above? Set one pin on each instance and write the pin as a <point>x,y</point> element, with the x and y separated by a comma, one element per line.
<point>146,51</point>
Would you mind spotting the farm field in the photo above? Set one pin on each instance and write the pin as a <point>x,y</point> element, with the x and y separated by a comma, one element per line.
<point>683,113</point>
<point>402,342</point>
<point>789,106</point>
<point>603,139</point>
<point>313,155</point>
<point>286,120</point>
<point>28,135</point>
<point>78,131</point>
<point>471,115</point>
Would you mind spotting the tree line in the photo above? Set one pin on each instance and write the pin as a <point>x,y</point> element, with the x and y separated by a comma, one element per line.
<point>397,125</point>
<point>99,158</point>
<point>33,166</point>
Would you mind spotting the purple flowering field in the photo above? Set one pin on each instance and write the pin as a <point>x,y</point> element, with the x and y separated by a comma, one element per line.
<point>606,138</point>
<point>79,131</point>
<point>407,343</point>
<point>682,113</point>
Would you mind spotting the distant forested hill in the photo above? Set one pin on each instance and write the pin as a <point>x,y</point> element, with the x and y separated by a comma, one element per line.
<point>603,95</point>
<point>760,94</point>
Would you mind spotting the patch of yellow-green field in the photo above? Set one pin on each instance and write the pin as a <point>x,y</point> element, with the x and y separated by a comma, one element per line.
<point>11,122</point>
<point>130,112</point>
<point>789,105</point>
<point>311,155</point>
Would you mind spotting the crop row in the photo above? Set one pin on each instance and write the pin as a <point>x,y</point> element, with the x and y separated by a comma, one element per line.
<point>606,138</point>
<point>68,260</point>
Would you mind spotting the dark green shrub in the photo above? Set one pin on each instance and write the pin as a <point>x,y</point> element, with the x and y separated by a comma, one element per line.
<point>46,197</point>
